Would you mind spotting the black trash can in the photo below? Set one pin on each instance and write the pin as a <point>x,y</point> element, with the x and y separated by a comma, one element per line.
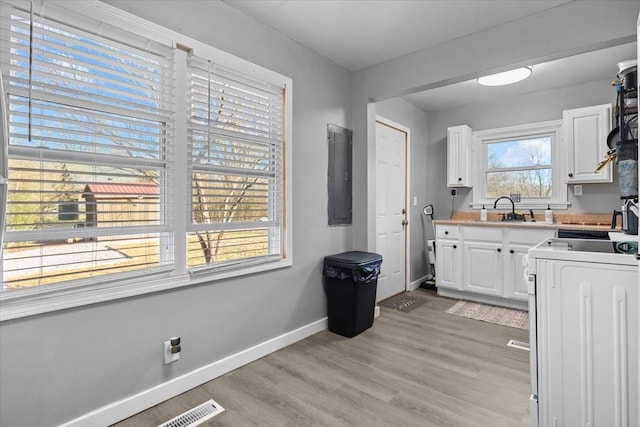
<point>351,284</point>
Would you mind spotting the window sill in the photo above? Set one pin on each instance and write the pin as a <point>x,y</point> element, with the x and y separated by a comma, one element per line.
<point>17,304</point>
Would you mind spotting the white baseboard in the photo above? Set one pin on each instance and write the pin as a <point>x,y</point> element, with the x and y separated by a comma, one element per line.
<point>129,406</point>
<point>416,283</point>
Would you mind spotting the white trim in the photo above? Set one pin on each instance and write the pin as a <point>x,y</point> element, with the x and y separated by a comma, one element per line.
<point>42,299</point>
<point>17,304</point>
<point>120,19</point>
<point>416,283</point>
<point>560,190</point>
<point>407,191</point>
<point>117,411</point>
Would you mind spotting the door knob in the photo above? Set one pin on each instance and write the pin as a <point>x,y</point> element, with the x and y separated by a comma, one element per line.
<point>404,223</point>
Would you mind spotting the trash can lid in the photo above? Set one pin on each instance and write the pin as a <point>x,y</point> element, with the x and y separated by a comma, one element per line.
<point>353,258</point>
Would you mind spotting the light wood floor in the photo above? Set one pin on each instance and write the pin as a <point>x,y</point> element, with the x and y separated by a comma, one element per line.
<point>423,368</point>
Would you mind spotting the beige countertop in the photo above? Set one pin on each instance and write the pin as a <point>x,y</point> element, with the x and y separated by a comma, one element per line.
<point>564,220</point>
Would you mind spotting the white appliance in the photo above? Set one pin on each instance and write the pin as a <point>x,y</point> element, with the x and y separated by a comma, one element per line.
<point>583,333</point>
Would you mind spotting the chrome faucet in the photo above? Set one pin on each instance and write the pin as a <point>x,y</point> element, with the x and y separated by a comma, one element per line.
<point>512,216</point>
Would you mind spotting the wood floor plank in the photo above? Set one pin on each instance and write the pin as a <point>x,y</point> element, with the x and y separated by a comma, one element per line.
<point>422,368</point>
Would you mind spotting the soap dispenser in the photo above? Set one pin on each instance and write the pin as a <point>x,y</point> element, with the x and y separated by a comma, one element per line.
<point>483,214</point>
<point>548,215</point>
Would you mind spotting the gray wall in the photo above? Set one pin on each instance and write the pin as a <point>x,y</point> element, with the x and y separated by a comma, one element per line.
<point>58,366</point>
<point>554,32</point>
<point>531,108</point>
<point>406,114</point>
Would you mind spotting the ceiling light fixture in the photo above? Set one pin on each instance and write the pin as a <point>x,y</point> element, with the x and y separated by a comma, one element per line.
<point>505,78</point>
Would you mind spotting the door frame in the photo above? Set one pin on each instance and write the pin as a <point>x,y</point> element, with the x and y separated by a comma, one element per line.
<point>407,191</point>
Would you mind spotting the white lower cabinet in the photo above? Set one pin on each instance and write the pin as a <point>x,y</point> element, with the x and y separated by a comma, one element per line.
<point>448,258</point>
<point>518,241</point>
<point>485,260</point>
<point>483,268</point>
<point>515,285</point>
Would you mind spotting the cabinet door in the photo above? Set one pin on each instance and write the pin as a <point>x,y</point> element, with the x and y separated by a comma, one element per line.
<point>448,257</point>
<point>585,136</point>
<point>459,156</point>
<point>483,267</point>
<point>587,324</point>
<point>515,285</point>
<point>517,244</point>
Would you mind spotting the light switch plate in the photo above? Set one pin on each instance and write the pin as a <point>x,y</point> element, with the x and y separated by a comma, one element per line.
<point>577,190</point>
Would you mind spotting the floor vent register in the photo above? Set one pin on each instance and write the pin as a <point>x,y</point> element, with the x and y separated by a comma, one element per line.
<point>195,416</point>
<point>518,344</point>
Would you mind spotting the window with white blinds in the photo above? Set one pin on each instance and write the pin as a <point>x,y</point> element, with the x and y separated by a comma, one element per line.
<point>89,150</point>
<point>236,167</point>
<point>132,162</point>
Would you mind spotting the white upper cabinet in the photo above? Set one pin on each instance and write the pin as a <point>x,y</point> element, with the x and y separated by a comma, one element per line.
<point>585,138</point>
<point>459,156</point>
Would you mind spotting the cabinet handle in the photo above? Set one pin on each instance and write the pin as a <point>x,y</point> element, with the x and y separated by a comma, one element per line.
<point>499,250</point>
<point>446,232</point>
<point>459,179</point>
<point>455,246</point>
<point>511,251</point>
<point>571,175</point>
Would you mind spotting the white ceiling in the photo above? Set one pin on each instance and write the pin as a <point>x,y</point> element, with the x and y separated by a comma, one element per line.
<point>357,34</point>
<point>574,70</point>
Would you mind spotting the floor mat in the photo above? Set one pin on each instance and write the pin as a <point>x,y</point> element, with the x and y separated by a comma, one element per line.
<point>491,313</point>
<point>403,302</point>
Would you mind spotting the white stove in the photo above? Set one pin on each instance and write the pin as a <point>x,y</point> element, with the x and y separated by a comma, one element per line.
<point>619,252</point>
<point>583,332</point>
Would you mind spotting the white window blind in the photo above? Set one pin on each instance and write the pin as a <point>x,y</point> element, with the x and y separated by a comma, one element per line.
<point>236,167</point>
<point>89,150</point>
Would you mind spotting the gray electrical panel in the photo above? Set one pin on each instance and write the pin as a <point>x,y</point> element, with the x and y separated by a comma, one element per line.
<point>340,174</point>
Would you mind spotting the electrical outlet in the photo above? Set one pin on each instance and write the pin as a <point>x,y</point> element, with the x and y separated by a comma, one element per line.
<point>577,190</point>
<point>454,192</point>
<point>170,355</point>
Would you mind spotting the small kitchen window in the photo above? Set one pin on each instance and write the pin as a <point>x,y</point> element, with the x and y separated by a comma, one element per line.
<point>523,160</point>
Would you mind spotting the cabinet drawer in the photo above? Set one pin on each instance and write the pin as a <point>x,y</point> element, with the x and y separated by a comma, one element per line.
<point>446,232</point>
<point>484,234</point>
<point>528,236</point>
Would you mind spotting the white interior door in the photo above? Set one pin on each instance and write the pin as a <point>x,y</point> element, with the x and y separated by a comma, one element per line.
<point>391,148</point>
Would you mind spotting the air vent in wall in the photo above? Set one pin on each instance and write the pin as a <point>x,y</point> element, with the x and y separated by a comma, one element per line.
<point>195,416</point>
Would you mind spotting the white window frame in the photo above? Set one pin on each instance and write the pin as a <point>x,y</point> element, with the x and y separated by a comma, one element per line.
<point>559,199</point>
<point>42,299</point>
